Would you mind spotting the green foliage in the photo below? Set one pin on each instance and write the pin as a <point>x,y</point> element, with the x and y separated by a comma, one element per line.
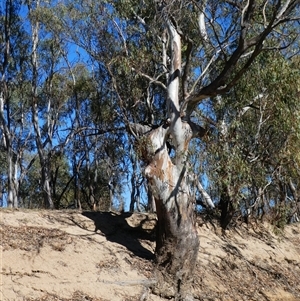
<point>31,191</point>
<point>99,64</point>
<point>260,146</point>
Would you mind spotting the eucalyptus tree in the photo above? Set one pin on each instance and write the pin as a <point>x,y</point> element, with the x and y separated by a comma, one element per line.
<point>30,194</point>
<point>7,14</point>
<point>91,142</point>
<point>256,124</point>
<point>16,135</point>
<point>50,90</point>
<point>33,7</point>
<point>20,84</point>
<point>162,60</point>
<point>273,138</point>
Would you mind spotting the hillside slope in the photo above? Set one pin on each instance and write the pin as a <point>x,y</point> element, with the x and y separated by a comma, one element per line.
<point>72,255</point>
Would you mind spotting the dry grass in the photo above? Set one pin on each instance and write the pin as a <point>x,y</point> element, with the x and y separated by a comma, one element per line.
<point>30,238</point>
<point>77,296</point>
<point>229,267</point>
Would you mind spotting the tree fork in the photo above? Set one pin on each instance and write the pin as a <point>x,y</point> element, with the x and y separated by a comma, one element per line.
<point>177,242</point>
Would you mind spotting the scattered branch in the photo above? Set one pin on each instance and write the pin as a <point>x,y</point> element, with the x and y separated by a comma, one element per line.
<point>224,82</point>
<point>151,79</point>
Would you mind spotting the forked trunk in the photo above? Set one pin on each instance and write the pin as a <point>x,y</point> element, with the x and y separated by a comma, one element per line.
<point>177,239</point>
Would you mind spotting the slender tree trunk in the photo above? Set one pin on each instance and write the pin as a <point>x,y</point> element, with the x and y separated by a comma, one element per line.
<point>11,157</point>
<point>48,202</point>
<point>90,184</point>
<point>12,180</point>
<point>111,194</point>
<point>1,193</point>
<point>135,187</point>
<point>5,126</point>
<point>226,208</point>
<point>296,204</point>
<point>77,196</point>
<point>134,184</point>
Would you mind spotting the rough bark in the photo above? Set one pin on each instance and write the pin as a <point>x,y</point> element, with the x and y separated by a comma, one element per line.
<point>177,241</point>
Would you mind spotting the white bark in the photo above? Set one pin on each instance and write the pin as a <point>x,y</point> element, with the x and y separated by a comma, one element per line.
<point>201,22</point>
<point>177,241</point>
<point>206,197</point>
<point>180,131</point>
<point>34,89</point>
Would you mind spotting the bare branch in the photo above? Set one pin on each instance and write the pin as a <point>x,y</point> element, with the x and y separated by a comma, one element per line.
<point>122,36</point>
<point>140,129</point>
<point>206,69</point>
<point>205,196</point>
<point>202,27</point>
<point>151,79</point>
<point>197,130</point>
<point>220,85</point>
<point>284,9</point>
<point>165,43</point>
<point>201,19</point>
<point>264,13</point>
<point>246,13</point>
<point>141,20</point>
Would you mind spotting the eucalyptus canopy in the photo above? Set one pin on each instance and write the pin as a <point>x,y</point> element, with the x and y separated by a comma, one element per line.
<point>201,89</point>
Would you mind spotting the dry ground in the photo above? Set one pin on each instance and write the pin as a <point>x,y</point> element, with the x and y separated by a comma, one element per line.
<point>77,256</point>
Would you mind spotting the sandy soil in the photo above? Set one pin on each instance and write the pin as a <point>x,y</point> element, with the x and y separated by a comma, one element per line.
<point>71,255</point>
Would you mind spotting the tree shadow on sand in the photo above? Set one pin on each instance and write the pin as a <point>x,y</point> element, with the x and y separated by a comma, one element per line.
<point>116,229</point>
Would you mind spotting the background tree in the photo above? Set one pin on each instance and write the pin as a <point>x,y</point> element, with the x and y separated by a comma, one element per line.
<point>255,123</point>
<point>44,85</point>
<point>15,131</point>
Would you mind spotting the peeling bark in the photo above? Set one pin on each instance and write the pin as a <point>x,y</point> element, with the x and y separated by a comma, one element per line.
<point>177,241</point>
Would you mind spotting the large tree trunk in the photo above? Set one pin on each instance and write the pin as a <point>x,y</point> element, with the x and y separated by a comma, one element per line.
<point>177,239</point>
<point>177,242</point>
